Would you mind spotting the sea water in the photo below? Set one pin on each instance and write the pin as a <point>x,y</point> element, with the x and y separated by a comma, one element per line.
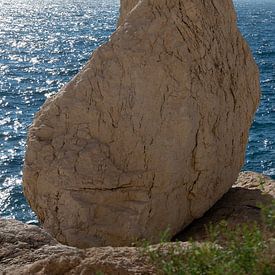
<point>45,43</point>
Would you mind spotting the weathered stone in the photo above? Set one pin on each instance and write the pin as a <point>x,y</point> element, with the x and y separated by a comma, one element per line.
<point>18,241</point>
<point>151,133</point>
<point>125,8</point>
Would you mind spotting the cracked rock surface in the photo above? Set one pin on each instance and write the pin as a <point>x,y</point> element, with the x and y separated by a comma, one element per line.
<point>152,131</point>
<point>240,205</point>
<point>126,7</point>
<point>27,250</point>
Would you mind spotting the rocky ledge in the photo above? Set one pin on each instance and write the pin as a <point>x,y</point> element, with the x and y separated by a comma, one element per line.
<point>28,249</point>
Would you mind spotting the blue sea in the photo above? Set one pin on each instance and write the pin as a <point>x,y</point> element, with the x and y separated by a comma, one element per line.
<point>44,43</point>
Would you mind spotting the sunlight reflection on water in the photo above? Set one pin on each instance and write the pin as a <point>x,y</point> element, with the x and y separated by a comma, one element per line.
<point>45,43</point>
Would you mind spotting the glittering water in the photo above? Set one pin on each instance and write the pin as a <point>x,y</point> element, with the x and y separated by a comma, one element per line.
<point>45,43</point>
<point>257,23</point>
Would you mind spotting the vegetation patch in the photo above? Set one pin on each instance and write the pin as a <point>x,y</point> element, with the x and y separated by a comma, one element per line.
<point>242,249</point>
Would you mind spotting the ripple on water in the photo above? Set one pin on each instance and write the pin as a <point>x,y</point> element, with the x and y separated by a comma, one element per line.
<point>47,42</point>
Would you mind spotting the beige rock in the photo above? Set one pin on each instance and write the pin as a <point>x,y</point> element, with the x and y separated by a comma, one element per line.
<point>19,243</point>
<point>125,8</point>
<point>151,133</point>
<point>27,250</point>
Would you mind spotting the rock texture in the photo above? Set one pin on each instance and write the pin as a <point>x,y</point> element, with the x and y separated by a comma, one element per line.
<point>29,250</point>
<point>26,250</point>
<point>125,8</point>
<point>151,133</point>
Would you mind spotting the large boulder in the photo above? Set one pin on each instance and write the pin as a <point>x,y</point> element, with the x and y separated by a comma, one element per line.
<point>151,133</point>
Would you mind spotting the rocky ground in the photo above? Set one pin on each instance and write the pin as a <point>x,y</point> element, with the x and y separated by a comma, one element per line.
<point>28,249</point>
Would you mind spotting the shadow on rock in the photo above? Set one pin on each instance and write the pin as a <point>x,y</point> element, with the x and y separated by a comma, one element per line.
<point>242,204</point>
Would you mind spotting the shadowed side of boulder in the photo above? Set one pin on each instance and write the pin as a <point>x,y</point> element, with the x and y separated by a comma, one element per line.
<point>242,204</point>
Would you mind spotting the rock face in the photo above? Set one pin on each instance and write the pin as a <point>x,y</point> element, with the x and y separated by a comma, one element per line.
<point>125,8</point>
<point>153,130</point>
<point>27,250</point>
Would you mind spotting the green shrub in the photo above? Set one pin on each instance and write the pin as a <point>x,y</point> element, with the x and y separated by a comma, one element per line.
<point>244,249</point>
<point>269,215</point>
